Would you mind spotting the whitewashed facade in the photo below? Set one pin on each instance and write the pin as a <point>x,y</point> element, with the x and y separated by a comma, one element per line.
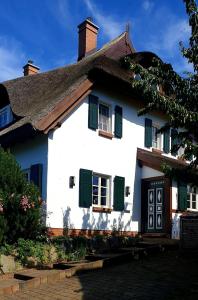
<point>74,146</point>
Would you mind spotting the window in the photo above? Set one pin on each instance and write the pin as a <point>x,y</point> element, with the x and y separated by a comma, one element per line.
<point>192,197</point>
<point>152,136</point>
<point>100,190</point>
<point>156,137</point>
<point>26,173</point>
<point>5,116</point>
<point>104,118</point>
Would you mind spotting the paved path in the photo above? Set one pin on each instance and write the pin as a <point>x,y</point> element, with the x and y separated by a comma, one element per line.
<point>163,277</point>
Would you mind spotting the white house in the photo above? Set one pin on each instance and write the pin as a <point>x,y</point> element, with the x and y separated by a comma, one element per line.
<point>76,134</point>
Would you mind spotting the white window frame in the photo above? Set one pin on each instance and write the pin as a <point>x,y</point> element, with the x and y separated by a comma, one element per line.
<point>109,129</point>
<point>159,138</point>
<point>108,194</point>
<point>190,197</point>
<point>9,117</point>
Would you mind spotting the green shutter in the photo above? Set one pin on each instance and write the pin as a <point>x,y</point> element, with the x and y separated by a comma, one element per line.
<point>85,188</point>
<point>148,133</point>
<point>118,122</point>
<point>167,140</point>
<point>182,195</point>
<point>174,141</point>
<point>36,175</point>
<point>119,185</point>
<point>93,112</point>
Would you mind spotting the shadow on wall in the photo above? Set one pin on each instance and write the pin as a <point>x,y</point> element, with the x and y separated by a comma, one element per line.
<point>103,222</point>
<point>176,227</point>
<point>136,208</point>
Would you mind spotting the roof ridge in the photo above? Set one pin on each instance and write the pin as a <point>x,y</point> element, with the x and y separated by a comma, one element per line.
<point>95,54</point>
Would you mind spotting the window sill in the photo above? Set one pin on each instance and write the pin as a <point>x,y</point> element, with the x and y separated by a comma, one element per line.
<point>181,158</point>
<point>155,150</point>
<point>101,209</point>
<point>105,134</point>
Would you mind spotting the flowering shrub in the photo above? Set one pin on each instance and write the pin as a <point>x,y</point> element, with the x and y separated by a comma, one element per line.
<point>25,203</point>
<point>20,203</point>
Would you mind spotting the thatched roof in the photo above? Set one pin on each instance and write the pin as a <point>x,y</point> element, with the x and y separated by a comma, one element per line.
<point>35,96</point>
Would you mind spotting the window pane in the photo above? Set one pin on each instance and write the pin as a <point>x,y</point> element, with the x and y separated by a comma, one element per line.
<point>194,205</point>
<point>193,197</point>
<point>104,119</point>
<point>95,199</point>
<point>103,201</point>
<point>103,181</point>
<point>95,190</point>
<point>103,191</point>
<point>105,127</point>
<point>156,138</point>
<point>95,180</point>
<point>100,190</point>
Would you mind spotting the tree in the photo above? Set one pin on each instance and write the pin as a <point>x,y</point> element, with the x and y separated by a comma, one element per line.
<point>179,99</point>
<point>20,204</point>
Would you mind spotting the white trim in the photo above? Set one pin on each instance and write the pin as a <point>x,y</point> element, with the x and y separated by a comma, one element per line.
<point>109,125</point>
<point>99,186</point>
<point>190,193</point>
<point>159,137</point>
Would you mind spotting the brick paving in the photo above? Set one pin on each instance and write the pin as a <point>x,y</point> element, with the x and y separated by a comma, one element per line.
<point>162,277</point>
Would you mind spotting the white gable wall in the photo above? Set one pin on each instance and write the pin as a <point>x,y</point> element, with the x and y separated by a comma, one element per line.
<point>74,146</point>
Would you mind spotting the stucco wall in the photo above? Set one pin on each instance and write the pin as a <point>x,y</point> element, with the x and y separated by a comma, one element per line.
<point>175,216</point>
<point>149,172</point>
<point>74,146</point>
<point>33,152</point>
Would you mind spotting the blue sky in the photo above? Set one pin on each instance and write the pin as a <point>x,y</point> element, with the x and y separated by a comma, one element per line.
<point>46,30</point>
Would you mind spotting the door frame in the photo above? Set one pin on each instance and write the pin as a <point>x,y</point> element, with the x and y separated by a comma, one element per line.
<point>167,203</point>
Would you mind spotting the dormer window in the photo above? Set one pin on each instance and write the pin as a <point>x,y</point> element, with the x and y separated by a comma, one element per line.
<point>5,116</point>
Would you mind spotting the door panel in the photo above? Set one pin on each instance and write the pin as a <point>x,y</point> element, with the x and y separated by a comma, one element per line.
<point>159,208</point>
<point>151,208</point>
<point>155,206</point>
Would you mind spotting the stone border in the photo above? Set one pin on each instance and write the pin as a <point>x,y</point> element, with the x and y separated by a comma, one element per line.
<point>50,276</point>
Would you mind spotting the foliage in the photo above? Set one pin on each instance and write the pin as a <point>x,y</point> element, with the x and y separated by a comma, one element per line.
<point>35,253</point>
<point>20,204</point>
<point>29,251</point>
<point>75,248</point>
<point>7,249</point>
<point>178,97</point>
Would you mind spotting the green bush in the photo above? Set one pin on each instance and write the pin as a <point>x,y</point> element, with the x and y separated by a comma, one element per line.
<point>20,204</point>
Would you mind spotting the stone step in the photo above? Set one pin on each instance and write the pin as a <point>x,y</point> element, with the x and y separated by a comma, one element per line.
<point>9,286</point>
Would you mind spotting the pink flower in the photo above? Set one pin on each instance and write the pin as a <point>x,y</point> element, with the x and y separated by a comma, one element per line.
<point>24,203</point>
<point>1,208</point>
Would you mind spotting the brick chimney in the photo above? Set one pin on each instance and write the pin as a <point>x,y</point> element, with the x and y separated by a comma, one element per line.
<point>87,38</point>
<point>30,68</point>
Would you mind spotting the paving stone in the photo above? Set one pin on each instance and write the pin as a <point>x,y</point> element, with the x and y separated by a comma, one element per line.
<point>161,277</point>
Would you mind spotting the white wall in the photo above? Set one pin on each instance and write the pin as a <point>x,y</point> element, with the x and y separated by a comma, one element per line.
<point>32,152</point>
<point>175,216</point>
<point>74,146</point>
<point>149,172</point>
